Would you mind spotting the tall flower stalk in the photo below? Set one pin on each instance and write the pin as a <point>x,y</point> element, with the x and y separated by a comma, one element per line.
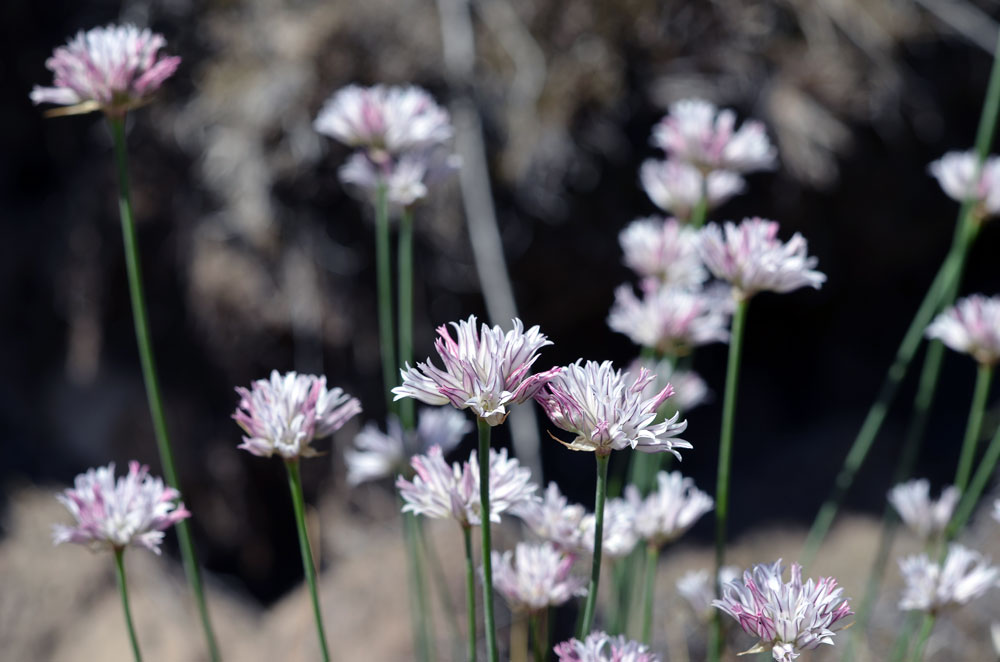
<point>595,570</point>
<point>470,593</point>
<point>308,565</point>
<point>123,592</point>
<point>383,268</point>
<point>487,541</point>
<point>974,427</point>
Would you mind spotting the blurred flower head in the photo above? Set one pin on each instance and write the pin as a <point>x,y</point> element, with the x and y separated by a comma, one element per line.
<point>930,586</point>
<point>670,320</point>
<point>555,520</point>
<point>664,250</point>
<point>971,326</point>
<point>535,577</point>
<point>789,617</point>
<point>690,390</point>
<point>996,510</point>
<point>285,413</point>
<point>618,537</point>
<point>671,510</point>
<point>676,186</point>
<point>406,178</point>
<point>926,517</point>
<point>486,372</point>
<point>698,589</point>
<point>963,179</point>
<point>606,412</point>
<point>113,69</point>
<point>752,258</point>
<point>134,510</point>
<point>602,647</point>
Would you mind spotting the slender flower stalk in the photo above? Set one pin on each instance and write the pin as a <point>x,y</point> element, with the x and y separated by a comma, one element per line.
<point>540,634</point>
<point>123,592</point>
<point>984,376</point>
<point>587,624</point>
<point>925,633</point>
<point>470,592</point>
<point>298,503</point>
<point>652,556</point>
<point>404,255</point>
<point>984,472</point>
<point>484,500</point>
<point>386,340</point>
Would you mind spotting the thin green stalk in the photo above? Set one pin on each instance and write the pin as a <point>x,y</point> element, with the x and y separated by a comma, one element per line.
<point>539,628</point>
<point>386,341</point>
<point>470,592</point>
<point>652,555</point>
<point>140,319</point>
<point>979,481</point>
<point>595,571</point>
<point>725,463</point>
<point>298,503</point>
<point>432,560</point>
<point>700,211</point>
<point>902,645</point>
<point>405,276</point>
<point>419,611</point>
<point>484,502</point>
<point>123,591</point>
<point>925,633</point>
<point>975,425</point>
<point>420,583</point>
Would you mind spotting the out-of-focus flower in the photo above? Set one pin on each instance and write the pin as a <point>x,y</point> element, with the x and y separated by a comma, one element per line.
<point>406,178</point>
<point>555,520</point>
<point>378,454</point>
<point>442,492</point>
<point>535,577</point>
<point>995,637</point>
<point>996,510</point>
<point>965,575</point>
<point>668,319</point>
<point>486,372</point>
<point>971,326</point>
<point>961,177</point>
<point>926,517</point>
<point>789,617</point>
<point>114,69</point>
<point>602,647</point>
<point>135,510</point>
<point>676,186</point>
<point>752,258</point>
<point>690,390</point>
<point>596,403</point>
<point>619,536</point>
<point>671,510</point>
<point>698,589</point>
<point>285,413</point>
<point>384,120</point>
<point>699,133</point>
<point>663,249</point>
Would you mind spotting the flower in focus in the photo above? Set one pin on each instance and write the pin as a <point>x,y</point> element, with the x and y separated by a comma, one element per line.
<point>114,69</point>
<point>596,402</point>
<point>538,576</point>
<point>698,132</point>
<point>486,372</point>
<point>927,518</point>
<point>601,647</point>
<point>618,537</point>
<point>971,326</point>
<point>690,390</point>
<point>440,491</point>
<point>752,258</point>
<point>965,576</point>
<point>671,510</point>
<point>378,454</point>
<point>135,510</point>
<point>665,250</point>
<point>555,520</point>
<point>961,177</point>
<point>677,186</point>
<point>668,319</point>
<point>285,413</point>
<point>788,617</point>
<point>698,589</point>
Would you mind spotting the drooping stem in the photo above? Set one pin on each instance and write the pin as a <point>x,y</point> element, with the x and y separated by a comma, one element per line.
<point>652,555</point>
<point>725,463</point>
<point>140,319</point>
<point>484,502</point>
<point>405,276</point>
<point>975,425</point>
<point>595,571</point>
<point>470,592</point>
<point>383,268</point>
<point>123,592</point>
<point>298,503</point>
<point>539,635</point>
<point>925,633</point>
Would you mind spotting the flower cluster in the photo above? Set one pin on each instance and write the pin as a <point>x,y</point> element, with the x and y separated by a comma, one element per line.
<point>926,517</point>
<point>678,187</point>
<point>930,586</point>
<point>602,647</point>
<point>665,251</point>
<point>671,510</point>
<point>670,320</point>
<point>963,178</point>
<point>535,577</point>
<point>556,520</point>
<point>110,514</point>
<point>971,326</point>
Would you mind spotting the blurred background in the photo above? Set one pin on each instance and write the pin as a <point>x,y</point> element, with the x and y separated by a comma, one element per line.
<point>255,258</point>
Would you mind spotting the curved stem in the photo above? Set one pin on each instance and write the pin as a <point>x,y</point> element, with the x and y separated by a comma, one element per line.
<point>652,555</point>
<point>386,341</point>
<point>140,319</point>
<point>123,591</point>
<point>298,503</point>
<point>595,571</point>
<point>975,425</point>
<point>484,502</point>
<point>404,257</point>
<point>470,592</point>
<point>925,633</point>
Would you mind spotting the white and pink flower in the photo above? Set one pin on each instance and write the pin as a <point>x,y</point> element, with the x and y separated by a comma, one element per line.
<point>971,326</point>
<point>602,647</point>
<point>676,186</point>
<point>536,576</point>
<point>964,178</point>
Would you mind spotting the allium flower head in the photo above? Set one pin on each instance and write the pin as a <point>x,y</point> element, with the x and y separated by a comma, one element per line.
<point>665,250</point>
<point>606,412</point>
<point>671,510</point>
<point>406,178</point>
<point>971,326</point>
<point>965,576</point>
<point>676,186</point>
<point>114,69</point>
<point>135,510</point>
<point>486,372</point>
<point>555,520</point>
<point>961,177</point>
<point>669,319</point>
<point>699,133</point>
<point>698,589</point>
<point>752,258</point>
<point>690,390</point>
<point>378,454</point>
<point>601,647</point>
<point>926,517</point>
<point>535,577</point>
<point>285,413</point>
<point>619,536</point>
<point>440,491</point>
<point>789,617</point>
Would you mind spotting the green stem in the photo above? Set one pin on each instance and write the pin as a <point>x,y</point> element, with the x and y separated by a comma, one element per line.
<point>123,591</point>
<point>405,266</point>
<point>700,211</point>
<point>902,645</point>
<point>595,570</point>
<point>538,634</point>
<point>470,592</point>
<point>484,502</point>
<point>387,344</point>
<point>975,425</point>
<point>419,611</point>
<point>979,481</point>
<point>433,561</point>
<point>298,503</point>
<point>652,555</point>
<point>925,633</point>
<point>725,462</point>
<point>140,319</point>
